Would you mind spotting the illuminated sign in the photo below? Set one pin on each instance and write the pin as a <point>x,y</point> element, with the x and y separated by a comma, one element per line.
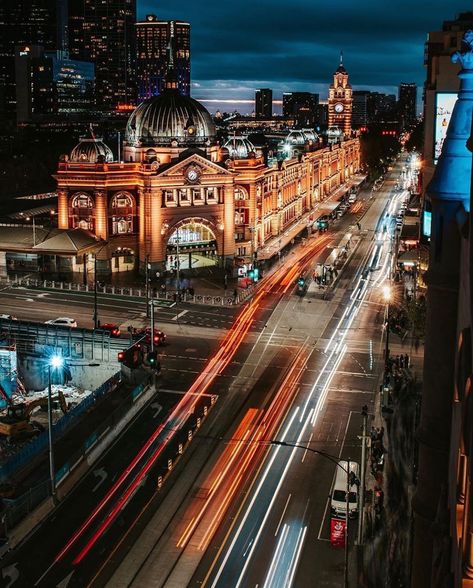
<point>427,224</point>
<point>444,103</point>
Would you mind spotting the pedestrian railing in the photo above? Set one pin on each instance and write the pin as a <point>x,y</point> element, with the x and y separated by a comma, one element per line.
<point>129,291</point>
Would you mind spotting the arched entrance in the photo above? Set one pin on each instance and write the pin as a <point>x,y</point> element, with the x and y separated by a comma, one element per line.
<point>192,244</point>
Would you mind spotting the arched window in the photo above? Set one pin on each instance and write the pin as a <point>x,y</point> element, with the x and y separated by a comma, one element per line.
<point>240,193</point>
<point>122,208</point>
<point>82,201</point>
<point>81,212</point>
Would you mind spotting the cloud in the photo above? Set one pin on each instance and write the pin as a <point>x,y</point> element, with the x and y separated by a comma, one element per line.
<point>296,44</point>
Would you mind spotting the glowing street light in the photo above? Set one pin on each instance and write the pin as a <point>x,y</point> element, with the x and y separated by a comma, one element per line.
<point>55,362</point>
<point>387,293</point>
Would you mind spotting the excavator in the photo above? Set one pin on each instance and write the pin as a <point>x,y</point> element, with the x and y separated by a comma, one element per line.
<point>16,421</point>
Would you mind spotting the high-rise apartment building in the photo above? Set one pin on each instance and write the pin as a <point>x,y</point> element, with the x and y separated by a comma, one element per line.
<point>157,41</point>
<point>103,32</point>
<point>264,103</point>
<point>302,106</point>
<point>22,23</point>
<point>407,104</point>
<point>48,83</point>
<point>360,108</point>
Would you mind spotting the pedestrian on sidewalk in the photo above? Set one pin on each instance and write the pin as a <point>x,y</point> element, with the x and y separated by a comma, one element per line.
<point>406,361</point>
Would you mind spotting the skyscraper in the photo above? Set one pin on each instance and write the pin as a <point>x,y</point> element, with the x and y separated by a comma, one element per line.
<point>407,104</point>
<point>264,103</point>
<point>302,106</point>
<point>22,22</point>
<point>102,31</point>
<point>154,38</point>
<point>360,108</point>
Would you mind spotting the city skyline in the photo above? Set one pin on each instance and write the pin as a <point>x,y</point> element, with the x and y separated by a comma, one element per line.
<point>298,50</point>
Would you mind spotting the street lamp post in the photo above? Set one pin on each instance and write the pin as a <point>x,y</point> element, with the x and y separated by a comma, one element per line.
<point>147,283</point>
<point>96,317</point>
<point>336,460</point>
<point>34,229</point>
<point>55,362</point>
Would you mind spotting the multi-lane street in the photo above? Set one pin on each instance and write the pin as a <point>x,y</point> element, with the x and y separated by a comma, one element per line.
<point>235,510</point>
<point>275,532</point>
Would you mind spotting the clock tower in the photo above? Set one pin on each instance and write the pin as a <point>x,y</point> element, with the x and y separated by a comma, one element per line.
<point>340,99</point>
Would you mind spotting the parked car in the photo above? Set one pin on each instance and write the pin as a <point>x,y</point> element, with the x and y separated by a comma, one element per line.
<point>159,336</point>
<point>113,329</point>
<point>8,317</point>
<point>62,321</point>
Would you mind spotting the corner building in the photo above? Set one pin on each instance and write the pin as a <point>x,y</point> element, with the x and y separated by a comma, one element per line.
<point>178,192</point>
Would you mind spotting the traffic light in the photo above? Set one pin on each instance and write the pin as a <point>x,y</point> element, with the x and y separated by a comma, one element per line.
<point>155,338</point>
<point>131,357</point>
<point>152,358</point>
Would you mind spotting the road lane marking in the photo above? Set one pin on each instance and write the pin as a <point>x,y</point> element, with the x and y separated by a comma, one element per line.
<point>283,512</point>
<point>181,314</point>
<point>307,448</point>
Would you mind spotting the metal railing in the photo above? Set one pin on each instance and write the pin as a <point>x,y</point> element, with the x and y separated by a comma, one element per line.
<point>133,292</point>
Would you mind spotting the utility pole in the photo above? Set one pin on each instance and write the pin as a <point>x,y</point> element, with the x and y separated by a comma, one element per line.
<point>178,265</point>
<point>152,323</point>
<point>364,437</point>
<point>347,521</point>
<point>96,318</point>
<point>147,283</point>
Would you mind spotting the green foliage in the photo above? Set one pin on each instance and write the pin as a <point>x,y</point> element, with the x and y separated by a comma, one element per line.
<point>416,314</point>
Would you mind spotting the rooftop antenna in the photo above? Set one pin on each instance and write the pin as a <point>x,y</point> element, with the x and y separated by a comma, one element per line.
<point>341,57</point>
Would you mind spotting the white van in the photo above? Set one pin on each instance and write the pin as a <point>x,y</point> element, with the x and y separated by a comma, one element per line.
<point>339,494</point>
<point>352,198</point>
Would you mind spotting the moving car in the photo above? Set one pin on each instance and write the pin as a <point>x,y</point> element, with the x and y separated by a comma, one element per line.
<point>8,317</point>
<point>112,328</point>
<point>159,336</point>
<point>62,321</point>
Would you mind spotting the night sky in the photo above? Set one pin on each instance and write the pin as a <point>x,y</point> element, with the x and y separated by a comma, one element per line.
<point>290,45</point>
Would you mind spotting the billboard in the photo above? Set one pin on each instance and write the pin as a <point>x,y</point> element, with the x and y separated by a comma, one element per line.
<point>444,103</point>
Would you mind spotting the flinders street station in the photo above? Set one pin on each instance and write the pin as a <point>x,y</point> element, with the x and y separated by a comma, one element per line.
<point>179,196</point>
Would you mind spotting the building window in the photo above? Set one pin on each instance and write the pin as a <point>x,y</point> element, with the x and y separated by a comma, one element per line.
<point>240,194</point>
<point>212,194</point>
<point>184,197</point>
<point>81,212</point>
<point>169,198</point>
<point>197,196</point>
<point>123,210</point>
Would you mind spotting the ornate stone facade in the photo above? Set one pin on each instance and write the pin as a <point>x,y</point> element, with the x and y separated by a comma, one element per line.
<point>136,207</point>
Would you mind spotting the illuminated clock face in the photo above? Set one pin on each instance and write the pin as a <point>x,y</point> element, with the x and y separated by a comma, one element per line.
<point>192,174</point>
<point>338,107</point>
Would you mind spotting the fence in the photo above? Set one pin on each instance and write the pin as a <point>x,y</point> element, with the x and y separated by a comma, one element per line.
<point>37,445</point>
<point>17,509</point>
<point>131,291</point>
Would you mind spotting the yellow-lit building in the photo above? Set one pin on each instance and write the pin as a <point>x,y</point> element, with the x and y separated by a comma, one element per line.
<point>179,192</point>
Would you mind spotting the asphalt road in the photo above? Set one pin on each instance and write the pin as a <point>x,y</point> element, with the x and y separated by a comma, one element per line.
<point>275,531</point>
<point>34,562</point>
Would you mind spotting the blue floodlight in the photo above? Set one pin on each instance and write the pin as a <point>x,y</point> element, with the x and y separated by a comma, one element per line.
<point>56,361</point>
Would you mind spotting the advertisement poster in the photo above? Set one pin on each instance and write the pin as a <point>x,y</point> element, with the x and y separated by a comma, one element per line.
<point>7,373</point>
<point>337,532</point>
<point>443,112</point>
